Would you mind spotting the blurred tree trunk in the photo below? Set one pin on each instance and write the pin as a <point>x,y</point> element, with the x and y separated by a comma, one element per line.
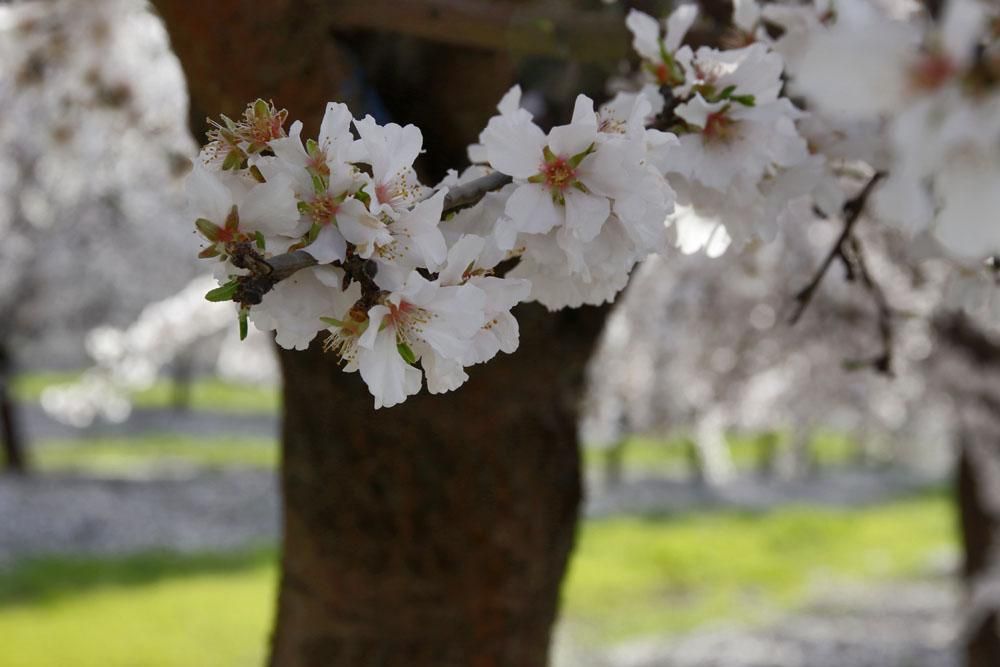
<point>15,457</point>
<point>978,483</point>
<point>435,533</point>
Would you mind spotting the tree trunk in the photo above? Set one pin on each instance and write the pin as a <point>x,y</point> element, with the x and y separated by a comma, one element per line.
<point>974,386</point>
<point>979,518</point>
<point>15,458</point>
<point>434,533</point>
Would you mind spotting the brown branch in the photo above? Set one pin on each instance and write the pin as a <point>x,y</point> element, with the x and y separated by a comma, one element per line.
<point>509,27</point>
<point>469,194</point>
<point>852,212</point>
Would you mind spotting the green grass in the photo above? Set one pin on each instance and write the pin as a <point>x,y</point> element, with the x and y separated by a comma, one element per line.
<point>673,455</point>
<point>152,610</point>
<point>206,393</point>
<point>630,577</point>
<point>634,576</point>
<point>116,455</point>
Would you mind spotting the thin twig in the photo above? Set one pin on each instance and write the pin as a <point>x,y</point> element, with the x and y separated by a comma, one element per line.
<point>852,213</point>
<point>883,361</point>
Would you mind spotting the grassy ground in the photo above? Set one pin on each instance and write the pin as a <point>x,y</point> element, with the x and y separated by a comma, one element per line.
<point>206,393</point>
<point>673,455</point>
<point>109,455</point>
<point>630,577</point>
<point>118,455</point>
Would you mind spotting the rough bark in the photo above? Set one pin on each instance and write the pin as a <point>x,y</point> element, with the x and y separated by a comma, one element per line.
<point>434,533</point>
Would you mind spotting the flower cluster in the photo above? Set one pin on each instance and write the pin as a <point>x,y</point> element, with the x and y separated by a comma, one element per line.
<point>397,302</point>
<point>741,164</point>
<point>705,150</point>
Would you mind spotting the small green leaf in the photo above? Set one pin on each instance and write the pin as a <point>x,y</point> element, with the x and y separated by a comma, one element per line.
<point>726,92</point>
<point>233,219</point>
<point>224,293</point>
<point>304,208</point>
<point>548,154</point>
<point>406,353</point>
<point>332,321</point>
<point>244,315</point>
<point>257,176</point>
<point>745,100</point>
<point>259,238</point>
<point>208,229</point>
<point>537,178</point>
<point>312,147</point>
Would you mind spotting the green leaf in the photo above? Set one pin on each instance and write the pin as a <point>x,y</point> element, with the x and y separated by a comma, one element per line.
<point>209,252</point>
<point>548,154</point>
<point>332,321</point>
<point>224,293</point>
<point>312,147</point>
<point>537,178</point>
<point>257,175</point>
<point>406,353</point>
<point>726,92</point>
<point>304,208</point>
<point>208,229</point>
<point>745,100</point>
<point>259,238</point>
<point>244,315</point>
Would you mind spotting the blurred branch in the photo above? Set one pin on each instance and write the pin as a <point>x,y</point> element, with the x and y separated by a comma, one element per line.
<point>561,30</point>
<point>854,257</point>
<point>852,212</point>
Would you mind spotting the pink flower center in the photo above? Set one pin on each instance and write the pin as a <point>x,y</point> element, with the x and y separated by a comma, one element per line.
<point>718,127</point>
<point>932,71</point>
<point>324,209</point>
<point>559,174</point>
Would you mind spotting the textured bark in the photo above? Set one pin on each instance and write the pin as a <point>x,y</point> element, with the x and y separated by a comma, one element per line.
<point>434,533</point>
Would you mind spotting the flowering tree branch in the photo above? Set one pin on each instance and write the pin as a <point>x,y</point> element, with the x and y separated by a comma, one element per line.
<point>852,212</point>
<point>267,272</point>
